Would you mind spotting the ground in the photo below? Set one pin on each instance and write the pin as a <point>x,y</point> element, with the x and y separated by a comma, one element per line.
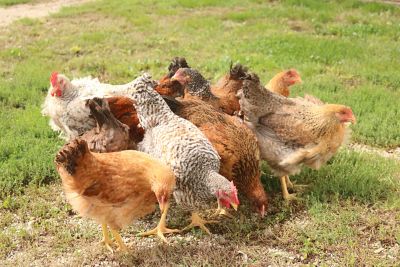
<point>346,51</point>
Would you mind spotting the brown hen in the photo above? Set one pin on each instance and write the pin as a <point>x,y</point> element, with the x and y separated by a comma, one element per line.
<point>221,96</point>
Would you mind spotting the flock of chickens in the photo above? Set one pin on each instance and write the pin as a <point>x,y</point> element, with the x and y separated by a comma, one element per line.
<point>134,145</point>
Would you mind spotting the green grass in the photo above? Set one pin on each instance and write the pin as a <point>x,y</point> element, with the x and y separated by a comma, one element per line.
<point>16,2</point>
<point>346,51</point>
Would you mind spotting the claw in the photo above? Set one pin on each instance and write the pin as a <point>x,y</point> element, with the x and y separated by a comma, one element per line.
<point>198,221</point>
<point>161,228</point>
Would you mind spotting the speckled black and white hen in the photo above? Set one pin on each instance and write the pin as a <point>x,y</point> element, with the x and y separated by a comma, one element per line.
<point>181,145</point>
<point>65,103</point>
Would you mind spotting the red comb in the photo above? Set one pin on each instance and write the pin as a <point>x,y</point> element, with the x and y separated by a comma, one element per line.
<point>53,78</point>
<point>292,72</point>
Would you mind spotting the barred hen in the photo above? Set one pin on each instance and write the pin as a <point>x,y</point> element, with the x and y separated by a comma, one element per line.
<point>292,132</point>
<point>178,143</point>
<point>122,107</point>
<point>235,143</point>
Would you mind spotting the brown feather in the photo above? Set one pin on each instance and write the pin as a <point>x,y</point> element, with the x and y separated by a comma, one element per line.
<point>112,188</point>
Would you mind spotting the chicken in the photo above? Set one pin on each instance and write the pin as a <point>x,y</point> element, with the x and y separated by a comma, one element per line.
<point>110,135</point>
<point>178,143</point>
<point>166,86</point>
<point>292,132</point>
<point>65,103</point>
<point>235,144</point>
<point>222,96</point>
<point>227,87</point>
<point>123,109</point>
<point>115,188</point>
<point>281,82</point>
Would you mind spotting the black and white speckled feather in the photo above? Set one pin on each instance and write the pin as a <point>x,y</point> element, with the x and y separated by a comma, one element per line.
<point>68,112</point>
<point>181,145</point>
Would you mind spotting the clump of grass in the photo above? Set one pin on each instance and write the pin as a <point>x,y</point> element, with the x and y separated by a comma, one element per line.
<point>15,2</point>
<point>351,175</point>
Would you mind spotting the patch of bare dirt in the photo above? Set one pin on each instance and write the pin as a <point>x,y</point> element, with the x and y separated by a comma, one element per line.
<point>10,14</point>
<point>393,2</point>
<point>390,153</point>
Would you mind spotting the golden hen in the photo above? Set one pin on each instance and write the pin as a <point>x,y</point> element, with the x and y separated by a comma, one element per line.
<point>293,131</point>
<point>115,188</point>
<point>281,82</point>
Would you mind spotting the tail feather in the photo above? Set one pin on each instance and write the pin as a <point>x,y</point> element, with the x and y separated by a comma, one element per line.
<point>101,112</point>
<point>177,63</point>
<point>238,71</point>
<point>70,154</point>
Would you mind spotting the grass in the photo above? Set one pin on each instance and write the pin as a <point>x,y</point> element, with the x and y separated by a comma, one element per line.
<point>16,2</point>
<point>346,51</point>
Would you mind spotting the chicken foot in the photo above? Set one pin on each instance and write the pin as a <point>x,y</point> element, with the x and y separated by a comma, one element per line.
<point>198,221</point>
<point>107,241</point>
<point>285,193</point>
<point>294,187</point>
<point>161,228</point>
<point>106,238</point>
<point>121,245</point>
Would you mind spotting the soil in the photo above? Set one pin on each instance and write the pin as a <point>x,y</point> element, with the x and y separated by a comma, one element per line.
<point>12,13</point>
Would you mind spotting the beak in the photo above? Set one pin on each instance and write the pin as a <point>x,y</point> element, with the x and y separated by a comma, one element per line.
<point>262,213</point>
<point>234,206</point>
<point>299,80</point>
<point>353,119</point>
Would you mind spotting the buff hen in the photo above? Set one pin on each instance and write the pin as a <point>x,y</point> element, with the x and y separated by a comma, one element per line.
<point>281,82</point>
<point>114,188</point>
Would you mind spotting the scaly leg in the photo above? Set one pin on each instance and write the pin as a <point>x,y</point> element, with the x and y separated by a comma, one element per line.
<point>121,245</point>
<point>198,221</point>
<point>289,183</point>
<point>161,228</point>
<point>106,238</point>
<point>285,193</point>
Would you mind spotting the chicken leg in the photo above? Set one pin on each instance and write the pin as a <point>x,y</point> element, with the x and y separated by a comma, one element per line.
<point>198,221</point>
<point>161,228</point>
<point>121,245</point>
<point>285,193</point>
<point>106,238</point>
<point>295,187</point>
